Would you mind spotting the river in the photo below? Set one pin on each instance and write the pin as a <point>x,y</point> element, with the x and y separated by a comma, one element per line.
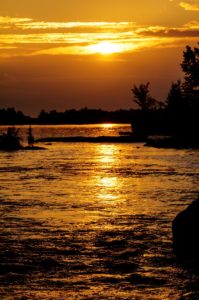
<point>93,220</point>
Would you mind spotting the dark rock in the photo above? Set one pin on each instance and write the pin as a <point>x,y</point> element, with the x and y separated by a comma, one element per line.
<point>96,139</point>
<point>32,148</point>
<point>186,234</point>
<point>176,142</point>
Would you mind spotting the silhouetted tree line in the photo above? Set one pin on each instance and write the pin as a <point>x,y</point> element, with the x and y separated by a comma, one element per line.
<point>10,116</point>
<point>179,114</point>
<point>84,116</point>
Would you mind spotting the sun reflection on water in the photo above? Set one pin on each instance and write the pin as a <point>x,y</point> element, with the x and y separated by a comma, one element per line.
<point>109,182</point>
<point>109,185</point>
<point>107,154</point>
<point>108,125</point>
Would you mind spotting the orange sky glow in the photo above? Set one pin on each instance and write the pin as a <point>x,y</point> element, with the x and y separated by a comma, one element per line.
<point>88,54</point>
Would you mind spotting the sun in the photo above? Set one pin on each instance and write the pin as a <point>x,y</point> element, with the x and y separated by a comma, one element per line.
<point>105,48</point>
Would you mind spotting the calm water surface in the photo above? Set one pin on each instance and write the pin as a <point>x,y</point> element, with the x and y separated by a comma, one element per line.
<point>93,221</point>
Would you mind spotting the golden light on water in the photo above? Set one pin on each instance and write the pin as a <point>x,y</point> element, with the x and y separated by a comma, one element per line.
<point>108,189</point>
<point>109,182</point>
<point>107,185</point>
<point>107,155</point>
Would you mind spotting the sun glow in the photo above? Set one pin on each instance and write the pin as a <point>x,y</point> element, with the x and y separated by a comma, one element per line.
<point>107,125</point>
<point>105,48</point>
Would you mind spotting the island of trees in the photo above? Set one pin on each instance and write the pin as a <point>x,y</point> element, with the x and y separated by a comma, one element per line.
<point>178,115</point>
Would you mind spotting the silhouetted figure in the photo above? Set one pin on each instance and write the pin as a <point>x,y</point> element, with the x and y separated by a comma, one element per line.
<point>30,137</point>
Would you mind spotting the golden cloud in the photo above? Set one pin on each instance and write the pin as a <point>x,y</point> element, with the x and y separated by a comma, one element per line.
<point>28,37</point>
<point>190,5</point>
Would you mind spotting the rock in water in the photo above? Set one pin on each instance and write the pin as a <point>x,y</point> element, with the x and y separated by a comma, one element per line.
<point>186,234</point>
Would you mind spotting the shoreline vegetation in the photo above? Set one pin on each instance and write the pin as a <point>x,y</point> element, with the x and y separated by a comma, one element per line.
<point>169,124</point>
<point>9,116</point>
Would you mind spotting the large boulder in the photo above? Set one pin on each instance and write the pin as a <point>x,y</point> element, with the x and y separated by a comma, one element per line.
<point>186,234</point>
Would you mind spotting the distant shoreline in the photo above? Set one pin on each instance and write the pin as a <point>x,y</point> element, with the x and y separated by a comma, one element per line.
<point>10,116</point>
<point>63,124</point>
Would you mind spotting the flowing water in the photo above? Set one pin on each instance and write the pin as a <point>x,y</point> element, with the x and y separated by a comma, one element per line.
<point>93,221</point>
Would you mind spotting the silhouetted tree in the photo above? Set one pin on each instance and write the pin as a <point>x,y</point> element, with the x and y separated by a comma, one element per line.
<point>143,98</point>
<point>43,117</point>
<point>150,119</point>
<point>175,97</point>
<point>175,108</point>
<point>190,87</point>
<point>190,66</point>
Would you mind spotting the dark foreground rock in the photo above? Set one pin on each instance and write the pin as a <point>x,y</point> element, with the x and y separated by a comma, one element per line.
<point>186,235</point>
<point>96,139</point>
<point>173,142</point>
<point>33,148</point>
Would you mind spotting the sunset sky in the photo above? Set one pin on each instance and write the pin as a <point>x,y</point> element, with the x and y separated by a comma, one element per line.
<point>88,53</point>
